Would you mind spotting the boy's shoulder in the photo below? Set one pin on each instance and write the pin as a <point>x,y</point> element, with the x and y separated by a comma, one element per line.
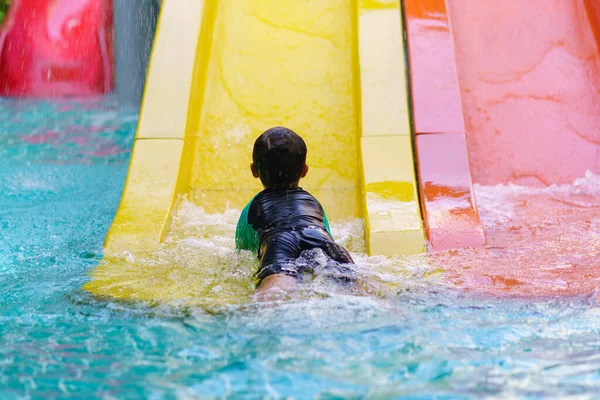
<point>280,194</point>
<point>269,198</point>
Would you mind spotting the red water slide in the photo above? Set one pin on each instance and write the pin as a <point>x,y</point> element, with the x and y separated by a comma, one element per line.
<point>529,74</point>
<point>54,48</point>
<point>519,80</point>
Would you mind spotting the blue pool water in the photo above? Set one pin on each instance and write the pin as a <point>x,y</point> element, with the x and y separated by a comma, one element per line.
<point>62,169</point>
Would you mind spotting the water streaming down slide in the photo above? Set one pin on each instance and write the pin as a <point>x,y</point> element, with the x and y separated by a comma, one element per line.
<point>224,71</point>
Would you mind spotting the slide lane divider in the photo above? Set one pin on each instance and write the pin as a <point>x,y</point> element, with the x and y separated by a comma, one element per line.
<point>446,193</point>
<point>152,181</point>
<point>392,212</point>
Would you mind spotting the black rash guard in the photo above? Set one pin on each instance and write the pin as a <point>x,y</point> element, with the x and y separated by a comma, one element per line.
<point>288,222</point>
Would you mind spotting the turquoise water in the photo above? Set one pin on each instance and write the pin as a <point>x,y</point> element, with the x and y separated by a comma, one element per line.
<point>62,168</point>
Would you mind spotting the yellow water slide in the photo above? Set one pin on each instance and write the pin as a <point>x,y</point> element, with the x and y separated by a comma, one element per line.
<point>223,71</point>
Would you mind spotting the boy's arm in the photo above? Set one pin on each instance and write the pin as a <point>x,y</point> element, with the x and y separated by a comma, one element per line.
<point>326,223</point>
<point>246,238</point>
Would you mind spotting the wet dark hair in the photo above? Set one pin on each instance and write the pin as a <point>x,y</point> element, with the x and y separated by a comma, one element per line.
<point>279,156</point>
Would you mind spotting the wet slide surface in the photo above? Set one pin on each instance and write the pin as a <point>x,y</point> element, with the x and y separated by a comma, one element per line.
<point>543,243</point>
<point>529,90</point>
<point>285,67</point>
<point>530,95</point>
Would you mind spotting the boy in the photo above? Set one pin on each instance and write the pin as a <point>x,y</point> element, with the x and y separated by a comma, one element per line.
<point>283,221</point>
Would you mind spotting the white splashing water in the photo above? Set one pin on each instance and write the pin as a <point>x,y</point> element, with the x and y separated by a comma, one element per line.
<point>541,242</point>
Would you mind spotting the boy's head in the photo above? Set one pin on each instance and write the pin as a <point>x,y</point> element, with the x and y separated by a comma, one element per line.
<point>279,158</point>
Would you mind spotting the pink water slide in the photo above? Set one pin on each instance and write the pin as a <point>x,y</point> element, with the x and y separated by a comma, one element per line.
<point>507,91</point>
<point>502,91</point>
<point>529,74</point>
<point>53,48</point>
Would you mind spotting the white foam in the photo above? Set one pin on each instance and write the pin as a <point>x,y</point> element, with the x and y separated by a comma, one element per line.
<point>538,234</point>
<point>497,203</point>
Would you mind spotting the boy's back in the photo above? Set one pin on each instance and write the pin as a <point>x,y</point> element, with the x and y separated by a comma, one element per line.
<point>283,221</point>
<point>275,210</point>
